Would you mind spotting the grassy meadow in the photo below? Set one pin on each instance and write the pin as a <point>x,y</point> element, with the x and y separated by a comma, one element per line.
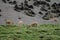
<point>25,32</point>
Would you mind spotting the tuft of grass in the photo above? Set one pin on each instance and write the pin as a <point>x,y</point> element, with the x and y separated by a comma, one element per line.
<point>24,32</point>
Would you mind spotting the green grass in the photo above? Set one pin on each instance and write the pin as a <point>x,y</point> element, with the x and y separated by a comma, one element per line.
<point>24,32</point>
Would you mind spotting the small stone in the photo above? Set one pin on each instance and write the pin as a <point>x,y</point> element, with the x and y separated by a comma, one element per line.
<point>48,0</point>
<point>0,10</point>
<point>0,15</point>
<point>19,18</point>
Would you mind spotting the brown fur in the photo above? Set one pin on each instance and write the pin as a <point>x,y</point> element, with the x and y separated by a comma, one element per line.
<point>9,22</point>
<point>33,24</point>
<point>55,19</point>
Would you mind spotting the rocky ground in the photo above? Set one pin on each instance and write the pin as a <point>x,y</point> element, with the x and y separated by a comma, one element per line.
<point>8,12</point>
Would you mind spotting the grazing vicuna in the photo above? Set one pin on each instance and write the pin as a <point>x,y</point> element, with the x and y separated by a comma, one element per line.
<point>20,23</point>
<point>33,24</point>
<point>9,22</point>
<point>55,19</point>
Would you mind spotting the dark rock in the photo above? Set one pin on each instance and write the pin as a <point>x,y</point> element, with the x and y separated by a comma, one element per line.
<point>0,15</point>
<point>54,5</point>
<point>29,0</point>
<point>26,5</point>
<point>26,8</point>
<point>12,3</point>
<point>49,8</point>
<point>30,6</point>
<point>48,0</point>
<point>55,11</point>
<point>25,2</point>
<point>58,11</point>
<point>36,3</point>
<point>58,4</point>
<point>30,13</point>
<point>34,0</point>
<point>42,9</point>
<point>41,13</point>
<point>42,2</point>
<point>19,18</point>
<point>4,1</point>
<point>58,15</point>
<point>18,8</point>
<point>47,4</point>
<point>0,10</point>
<point>8,0</point>
<point>47,15</point>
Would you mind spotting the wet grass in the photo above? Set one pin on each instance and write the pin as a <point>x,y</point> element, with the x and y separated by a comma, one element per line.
<point>24,32</point>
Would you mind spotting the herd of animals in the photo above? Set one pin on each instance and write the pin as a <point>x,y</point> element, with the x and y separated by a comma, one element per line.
<point>51,11</point>
<point>33,24</point>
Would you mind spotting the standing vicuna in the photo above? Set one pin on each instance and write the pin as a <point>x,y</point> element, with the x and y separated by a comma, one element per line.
<point>20,23</point>
<point>55,19</point>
